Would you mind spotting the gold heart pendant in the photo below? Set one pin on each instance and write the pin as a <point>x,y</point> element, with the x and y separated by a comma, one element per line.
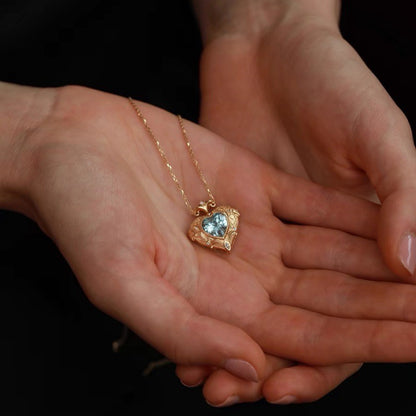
<point>216,229</point>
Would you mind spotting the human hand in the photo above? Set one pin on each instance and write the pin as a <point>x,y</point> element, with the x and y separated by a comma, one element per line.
<point>278,78</point>
<point>91,178</point>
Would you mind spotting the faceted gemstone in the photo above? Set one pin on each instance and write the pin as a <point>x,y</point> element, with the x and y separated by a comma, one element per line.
<point>216,225</point>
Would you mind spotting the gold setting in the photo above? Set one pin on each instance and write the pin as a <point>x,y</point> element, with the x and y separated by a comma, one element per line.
<point>196,232</point>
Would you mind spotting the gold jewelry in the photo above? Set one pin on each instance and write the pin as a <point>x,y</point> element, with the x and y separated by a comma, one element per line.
<point>213,227</point>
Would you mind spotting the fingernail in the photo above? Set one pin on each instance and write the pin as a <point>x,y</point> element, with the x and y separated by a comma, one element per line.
<point>229,401</point>
<point>285,400</point>
<point>241,368</point>
<point>191,385</point>
<point>407,252</point>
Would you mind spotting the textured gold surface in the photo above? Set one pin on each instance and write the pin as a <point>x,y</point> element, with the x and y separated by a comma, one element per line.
<point>196,232</point>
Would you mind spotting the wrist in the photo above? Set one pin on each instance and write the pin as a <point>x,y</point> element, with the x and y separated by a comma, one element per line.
<point>253,18</point>
<point>22,111</point>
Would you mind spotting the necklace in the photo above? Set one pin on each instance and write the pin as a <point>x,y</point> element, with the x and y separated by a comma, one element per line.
<point>213,227</point>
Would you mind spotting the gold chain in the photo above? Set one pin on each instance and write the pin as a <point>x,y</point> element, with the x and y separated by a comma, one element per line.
<point>211,202</point>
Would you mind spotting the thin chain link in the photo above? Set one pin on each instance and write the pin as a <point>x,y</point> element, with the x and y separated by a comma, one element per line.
<point>169,166</point>
<point>194,160</point>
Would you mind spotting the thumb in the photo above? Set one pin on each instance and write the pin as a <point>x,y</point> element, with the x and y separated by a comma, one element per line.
<point>397,231</point>
<point>391,167</point>
<point>159,314</point>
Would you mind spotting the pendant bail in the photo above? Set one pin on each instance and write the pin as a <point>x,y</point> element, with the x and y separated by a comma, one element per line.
<point>204,207</point>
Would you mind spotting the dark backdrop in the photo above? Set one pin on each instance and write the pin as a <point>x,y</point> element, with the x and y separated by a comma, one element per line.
<point>55,348</point>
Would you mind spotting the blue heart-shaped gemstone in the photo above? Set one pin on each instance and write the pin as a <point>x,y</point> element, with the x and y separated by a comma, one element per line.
<point>216,225</point>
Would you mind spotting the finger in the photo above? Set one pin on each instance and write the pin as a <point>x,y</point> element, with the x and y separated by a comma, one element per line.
<point>321,248</point>
<point>397,232</point>
<point>193,375</point>
<point>154,310</point>
<point>301,201</point>
<point>284,382</point>
<point>387,154</point>
<point>316,339</point>
<point>302,383</point>
<point>223,389</point>
<point>340,295</point>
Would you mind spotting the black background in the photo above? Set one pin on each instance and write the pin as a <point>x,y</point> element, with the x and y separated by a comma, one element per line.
<point>55,348</point>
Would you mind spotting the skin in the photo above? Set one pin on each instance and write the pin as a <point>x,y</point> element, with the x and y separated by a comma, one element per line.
<point>315,110</point>
<point>278,78</point>
<point>305,280</point>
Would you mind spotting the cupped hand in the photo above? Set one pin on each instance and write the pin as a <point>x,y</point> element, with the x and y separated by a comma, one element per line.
<point>296,93</point>
<point>95,183</point>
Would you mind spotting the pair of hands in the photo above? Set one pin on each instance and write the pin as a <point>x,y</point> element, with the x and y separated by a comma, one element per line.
<point>90,176</point>
<point>303,290</point>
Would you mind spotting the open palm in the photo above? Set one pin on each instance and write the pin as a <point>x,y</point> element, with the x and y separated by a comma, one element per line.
<point>97,186</point>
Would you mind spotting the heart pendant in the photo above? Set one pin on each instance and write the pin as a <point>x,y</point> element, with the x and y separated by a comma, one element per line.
<point>216,229</point>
